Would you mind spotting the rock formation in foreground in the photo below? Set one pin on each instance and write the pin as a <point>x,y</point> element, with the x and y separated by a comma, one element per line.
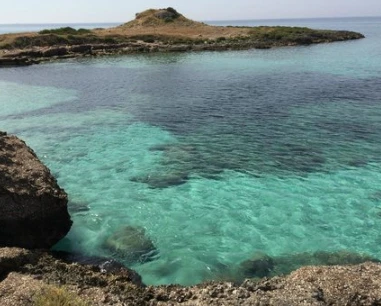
<point>30,276</point>
<point>33,208</point>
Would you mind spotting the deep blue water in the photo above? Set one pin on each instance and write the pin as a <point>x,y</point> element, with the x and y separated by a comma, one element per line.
<point>217,155</point>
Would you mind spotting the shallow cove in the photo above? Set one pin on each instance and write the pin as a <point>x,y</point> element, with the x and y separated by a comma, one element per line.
<point>216,155</point>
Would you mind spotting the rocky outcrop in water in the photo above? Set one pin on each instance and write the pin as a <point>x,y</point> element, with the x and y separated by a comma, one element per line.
<point>37,54</point>
<point>33,208</point>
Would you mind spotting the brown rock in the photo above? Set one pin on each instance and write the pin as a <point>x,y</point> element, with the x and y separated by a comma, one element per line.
<point>33,208</point>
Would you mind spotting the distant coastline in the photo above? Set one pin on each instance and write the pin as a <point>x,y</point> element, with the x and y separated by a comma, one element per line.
<point>163,30</point>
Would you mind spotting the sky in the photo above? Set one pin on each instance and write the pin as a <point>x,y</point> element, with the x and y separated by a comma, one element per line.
<point>96,11</point>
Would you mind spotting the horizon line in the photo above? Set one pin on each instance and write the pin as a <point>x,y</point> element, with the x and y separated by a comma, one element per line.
<point>210,20</point>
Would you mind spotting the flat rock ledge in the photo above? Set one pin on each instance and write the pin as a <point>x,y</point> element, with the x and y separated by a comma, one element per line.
<point>33,208</point>
<point>40,54</point>
<point>26,276</point>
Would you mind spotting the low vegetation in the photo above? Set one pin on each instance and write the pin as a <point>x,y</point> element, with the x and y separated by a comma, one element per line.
<point>57,296</point>
<point>47,40</point>
<point>297,35</point>
<point>65,31</point>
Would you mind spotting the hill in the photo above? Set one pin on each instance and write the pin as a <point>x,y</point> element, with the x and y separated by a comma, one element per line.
<point>160,17</point>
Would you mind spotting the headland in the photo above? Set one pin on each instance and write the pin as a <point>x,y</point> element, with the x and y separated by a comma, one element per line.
<point>155,30</point>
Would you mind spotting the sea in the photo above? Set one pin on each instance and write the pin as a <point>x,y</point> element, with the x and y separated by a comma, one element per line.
<point>217,156</point>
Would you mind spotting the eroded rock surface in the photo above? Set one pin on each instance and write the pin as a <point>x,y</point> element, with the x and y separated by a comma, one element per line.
<point>316,286</point>
<point>33,208</point>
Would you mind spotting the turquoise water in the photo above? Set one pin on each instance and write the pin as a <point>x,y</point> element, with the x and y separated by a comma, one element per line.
<point>216,155</point>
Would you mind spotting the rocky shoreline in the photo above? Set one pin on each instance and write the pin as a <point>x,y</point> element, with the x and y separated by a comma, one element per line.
<point>27,277</point>
<point>162,30</point>
<point>36,55</point>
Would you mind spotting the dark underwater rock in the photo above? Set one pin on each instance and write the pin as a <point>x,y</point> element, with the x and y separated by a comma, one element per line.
<point>77,207</point>
<point>33,208</point>
<point>262,265</point>
<point>131,244</point>
<point>287,263</point>
<point>163,180</point>
<point>376,196</point>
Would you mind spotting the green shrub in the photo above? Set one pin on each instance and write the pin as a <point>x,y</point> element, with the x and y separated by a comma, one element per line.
<point>65,31</point>
<point>57,296</point>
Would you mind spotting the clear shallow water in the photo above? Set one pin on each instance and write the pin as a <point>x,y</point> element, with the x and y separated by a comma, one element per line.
<point>216,155</point>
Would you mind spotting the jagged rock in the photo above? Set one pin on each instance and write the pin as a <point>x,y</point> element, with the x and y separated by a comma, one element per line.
<point>33,208</point>
<point>131,244</point>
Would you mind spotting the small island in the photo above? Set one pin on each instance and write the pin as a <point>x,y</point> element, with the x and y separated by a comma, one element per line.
<point>154,30</point>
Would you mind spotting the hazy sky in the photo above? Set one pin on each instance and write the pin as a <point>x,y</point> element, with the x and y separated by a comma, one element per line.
<point>51,11</point>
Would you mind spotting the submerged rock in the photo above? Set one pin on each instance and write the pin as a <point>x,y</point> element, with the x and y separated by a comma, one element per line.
<point>131,244</point>
<point>33,208</point>
<point>262,265</point>
<point>375,196</point>
<point>287,263</point>
<point>78,207</point>
<point>163,180</point>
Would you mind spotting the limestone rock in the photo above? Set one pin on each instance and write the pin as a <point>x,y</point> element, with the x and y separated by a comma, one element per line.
<point>33,208</point>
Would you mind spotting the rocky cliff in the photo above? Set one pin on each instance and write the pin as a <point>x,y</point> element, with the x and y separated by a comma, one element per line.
<point>33,208</point>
